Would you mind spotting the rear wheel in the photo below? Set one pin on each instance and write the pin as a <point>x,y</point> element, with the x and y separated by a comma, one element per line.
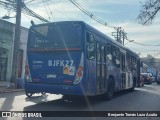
<point>28,94</point>
<point>134,85</point>
<point>110,89</point>
<point>150,82</point>
<point>43,93</point>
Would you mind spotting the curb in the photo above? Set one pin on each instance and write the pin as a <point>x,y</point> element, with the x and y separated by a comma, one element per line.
<point>11,90</point>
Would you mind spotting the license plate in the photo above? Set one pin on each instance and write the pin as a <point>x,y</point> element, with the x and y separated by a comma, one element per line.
<point>51,76</point>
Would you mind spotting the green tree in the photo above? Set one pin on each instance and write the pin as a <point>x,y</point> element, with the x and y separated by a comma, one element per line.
<point>148,11</point>
<point>152,62</point>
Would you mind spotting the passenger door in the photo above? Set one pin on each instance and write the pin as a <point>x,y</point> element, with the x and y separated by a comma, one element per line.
<point>100,69</point>
<point>123,74</point>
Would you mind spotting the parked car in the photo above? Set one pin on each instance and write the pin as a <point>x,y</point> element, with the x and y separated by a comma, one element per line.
<point>158,79</point>
<point>148,78</point>
<point>153,79</point>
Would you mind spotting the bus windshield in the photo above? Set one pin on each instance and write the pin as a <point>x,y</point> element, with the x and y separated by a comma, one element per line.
<point>55,35</point>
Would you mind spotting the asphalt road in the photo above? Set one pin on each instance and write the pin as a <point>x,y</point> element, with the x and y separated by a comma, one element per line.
<point>145,98</point>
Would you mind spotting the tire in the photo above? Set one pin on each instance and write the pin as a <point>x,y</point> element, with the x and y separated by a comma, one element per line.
<point>110,89</point>
<point>67,97</point>
<point>158,82</point>
<point>134,85</point>
<point>43,93</point>
<point>150,83</point>
<point>28,94</point>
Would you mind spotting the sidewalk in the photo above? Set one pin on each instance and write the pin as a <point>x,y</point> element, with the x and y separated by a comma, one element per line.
<point>6,88</point>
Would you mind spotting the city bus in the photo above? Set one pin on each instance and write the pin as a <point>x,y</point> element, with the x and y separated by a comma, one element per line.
<point>73,58</point>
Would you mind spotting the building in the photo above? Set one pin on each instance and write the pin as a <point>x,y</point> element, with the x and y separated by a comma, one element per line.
<point>153,65</point>
<point>7,30</point>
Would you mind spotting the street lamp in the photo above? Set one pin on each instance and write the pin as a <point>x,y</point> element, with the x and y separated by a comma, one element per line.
<point>7,17</point>
<point>129,41</point>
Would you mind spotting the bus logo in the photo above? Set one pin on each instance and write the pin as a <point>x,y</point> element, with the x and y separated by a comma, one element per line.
<point>69,70</point>
<point>37,62</point>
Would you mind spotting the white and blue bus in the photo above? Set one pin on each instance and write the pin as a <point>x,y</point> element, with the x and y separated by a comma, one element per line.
<point>73,58</point>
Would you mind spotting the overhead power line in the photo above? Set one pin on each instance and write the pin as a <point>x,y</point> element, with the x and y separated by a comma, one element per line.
<point>33,14</point>
<point>50,10</point>
<point>105,24</point>
<point>9,4</point>
<point>133,41</point>
<point>46,9</point>
<point>55,7</point>
<point>90,14</point>
<point>30,1</point>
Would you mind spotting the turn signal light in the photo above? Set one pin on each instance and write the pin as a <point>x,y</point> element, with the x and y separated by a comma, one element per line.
<point>80,69</point>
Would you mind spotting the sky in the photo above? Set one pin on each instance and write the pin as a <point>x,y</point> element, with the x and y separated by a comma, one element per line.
<point>117,13</point>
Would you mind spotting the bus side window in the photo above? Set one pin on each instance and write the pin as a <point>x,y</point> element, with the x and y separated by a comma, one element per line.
<point>98,53</point>
<point>134,65</point>
<point>117,58</point>
<point>113,54</point>
<point>131,62</point>
<point>108,54</point>
<point>128,61</point>
<point>103,53</point>
<point>90,46</point>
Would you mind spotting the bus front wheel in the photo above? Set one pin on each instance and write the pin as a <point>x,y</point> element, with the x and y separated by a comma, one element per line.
<point>110,89</point>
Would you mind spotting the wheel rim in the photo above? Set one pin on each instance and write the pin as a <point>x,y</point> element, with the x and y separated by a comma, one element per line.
<point>43,93</point>
<point>29,94</point>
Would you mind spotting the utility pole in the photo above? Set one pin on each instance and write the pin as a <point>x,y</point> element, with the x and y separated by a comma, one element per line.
<point>123,35</point>
<point>16,44</point>
<point>118,34</point>
<point>17,5</point>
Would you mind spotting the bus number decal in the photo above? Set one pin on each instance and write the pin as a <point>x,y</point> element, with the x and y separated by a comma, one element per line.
<point>60,63</point>
<point>68,66</point>
<point>67,63</point>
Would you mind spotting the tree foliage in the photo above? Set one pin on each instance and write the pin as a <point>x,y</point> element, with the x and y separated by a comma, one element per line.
<point>149,11</point>
<point>151,61</point>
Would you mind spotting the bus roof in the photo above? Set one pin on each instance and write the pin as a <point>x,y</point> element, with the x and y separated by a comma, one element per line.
<point>110,39</point>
